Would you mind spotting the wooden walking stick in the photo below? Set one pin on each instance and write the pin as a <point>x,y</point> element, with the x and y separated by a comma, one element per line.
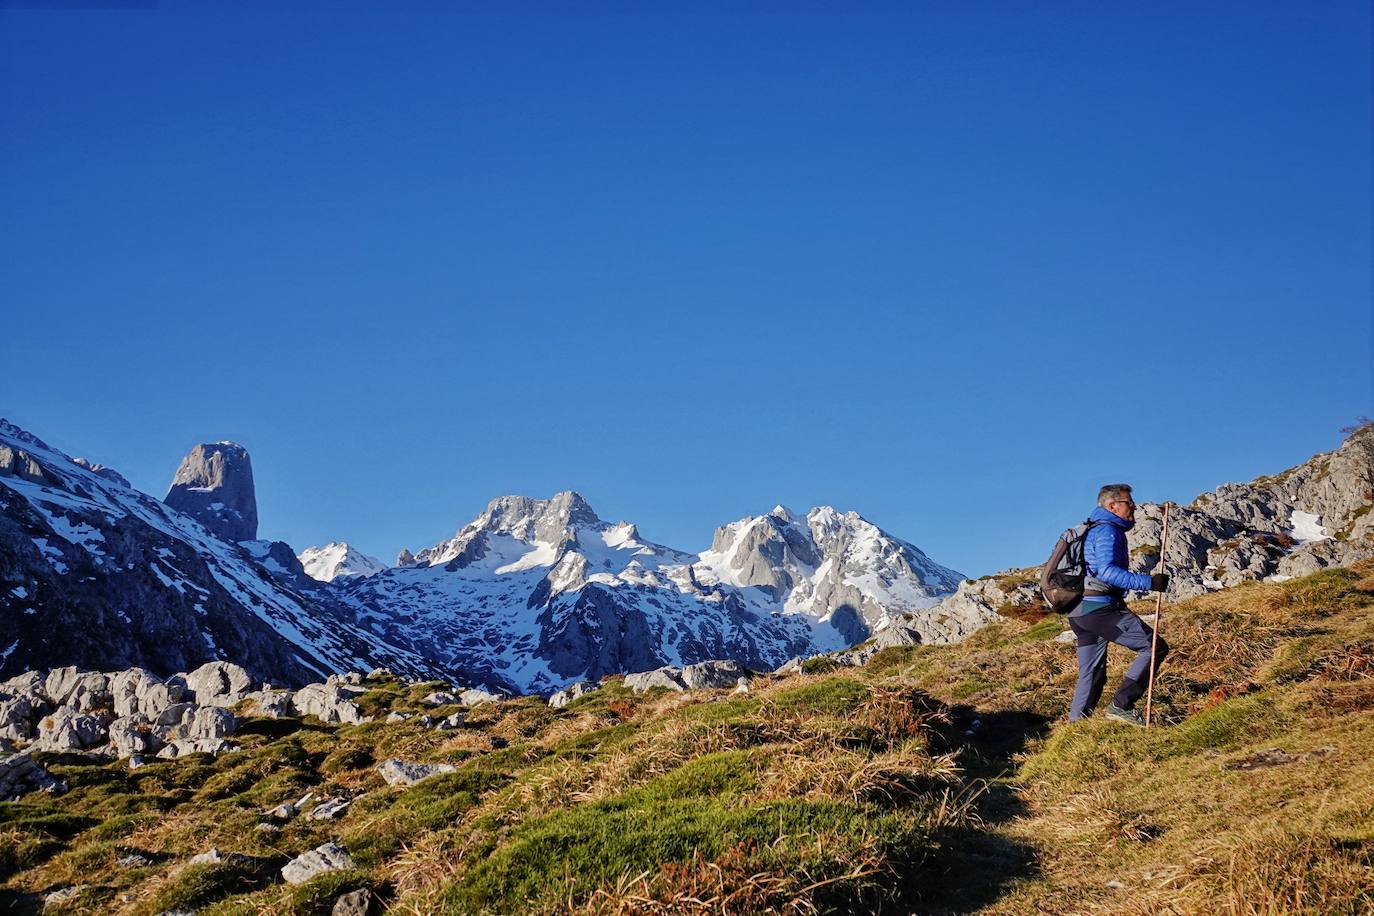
<point>1159,612</point>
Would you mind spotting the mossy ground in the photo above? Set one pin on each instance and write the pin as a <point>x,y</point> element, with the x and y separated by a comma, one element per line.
<point>835,790</point>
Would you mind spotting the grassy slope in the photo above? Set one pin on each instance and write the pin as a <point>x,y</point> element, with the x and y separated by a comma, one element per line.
<point>837,790</point>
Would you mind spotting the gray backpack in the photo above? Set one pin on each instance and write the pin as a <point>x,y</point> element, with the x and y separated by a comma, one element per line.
<point>1061,581</point>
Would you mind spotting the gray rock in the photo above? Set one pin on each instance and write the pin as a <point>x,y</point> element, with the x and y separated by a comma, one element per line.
<point>133,860</point>
<point>1067,638</point>
<point>206,723</point>
<point>63,895</point>
<point>174,714</point>
<point>16,718</point>
<point>274,704</point>
<point>394,717</point>
<point>136,692</point>
<point>329,809</point>
<point>898,634</point>
<point>133,735</point>
<point>219,684</point>
<point>450,722</point>
<point>211,856</point>
<point>474,697</point>
<point>719,674</point>
<point>214,485</point>
<point>329,703</point>
<point>667,676</point>
<point>398,772</point>
<point>21,774</point>
<point>439,698</point>
<point>82,691</point>
<point>321,859</point>
<point>356,903</point>
<point>792,666</point>
<point>269,830</point>
<point>68,730</point>
<point>571,692</point>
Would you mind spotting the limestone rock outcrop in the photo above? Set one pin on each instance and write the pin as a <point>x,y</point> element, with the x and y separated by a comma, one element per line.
<point>214,485</point>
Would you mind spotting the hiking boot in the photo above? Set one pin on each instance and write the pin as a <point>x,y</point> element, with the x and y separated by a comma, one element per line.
<point>1129,716</point>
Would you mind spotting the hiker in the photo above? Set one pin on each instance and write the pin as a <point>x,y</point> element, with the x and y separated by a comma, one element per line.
<point>1102,616</point>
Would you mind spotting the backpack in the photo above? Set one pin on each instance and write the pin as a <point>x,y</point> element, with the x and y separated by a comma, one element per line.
<point>1061,581</point>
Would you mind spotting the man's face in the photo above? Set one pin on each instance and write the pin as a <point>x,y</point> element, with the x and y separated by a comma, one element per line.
<point>1123,508</point>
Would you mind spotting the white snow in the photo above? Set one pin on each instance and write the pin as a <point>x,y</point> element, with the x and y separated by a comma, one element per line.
<point>19,591</point>
<point>10,651</point>
<point>338,560</point>
<point>1307,527</point>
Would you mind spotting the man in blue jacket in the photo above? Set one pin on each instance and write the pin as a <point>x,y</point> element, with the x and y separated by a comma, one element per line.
<point>1102,617</point>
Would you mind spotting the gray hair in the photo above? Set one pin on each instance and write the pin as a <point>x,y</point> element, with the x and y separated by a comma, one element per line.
<point>1113,492</point>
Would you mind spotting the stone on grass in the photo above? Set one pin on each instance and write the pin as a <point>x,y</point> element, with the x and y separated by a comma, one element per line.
<point>219,684</point>
<point>21,774</point>
<point>68,730</point>
<point>716,674</point>
<point>356,903</point>
<point>473,697</point>
<point>326,858</point>
<point>328,702</point>
<point>667,676</point>
<point>440,698</point>
<point>398,772</point>
<point>571,692</point>
<point>329,809</point>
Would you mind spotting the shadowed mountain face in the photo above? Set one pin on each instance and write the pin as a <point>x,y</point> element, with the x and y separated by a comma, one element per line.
<point>214,485</point>
<point>98,575</point>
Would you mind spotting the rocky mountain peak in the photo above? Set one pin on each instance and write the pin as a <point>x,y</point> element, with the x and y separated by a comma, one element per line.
<point>214,485</point>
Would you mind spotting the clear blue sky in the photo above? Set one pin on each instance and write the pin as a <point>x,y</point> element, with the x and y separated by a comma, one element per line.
<point>688,260</point>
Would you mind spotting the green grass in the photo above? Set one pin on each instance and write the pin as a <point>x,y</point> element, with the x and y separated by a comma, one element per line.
<point>839,790</point>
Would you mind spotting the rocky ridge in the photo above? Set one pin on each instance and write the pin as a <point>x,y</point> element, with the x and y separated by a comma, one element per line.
<point>1310,517</point>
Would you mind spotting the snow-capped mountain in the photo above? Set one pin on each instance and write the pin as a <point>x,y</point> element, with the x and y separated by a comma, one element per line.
<point>96,574</point>
<point>338,560</point>
<point>536,593</point>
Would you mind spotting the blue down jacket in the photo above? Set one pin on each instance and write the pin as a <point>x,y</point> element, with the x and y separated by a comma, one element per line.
<point>1109,569</point>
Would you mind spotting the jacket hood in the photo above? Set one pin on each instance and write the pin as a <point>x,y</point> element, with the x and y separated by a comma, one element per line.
<point>1100,514</point>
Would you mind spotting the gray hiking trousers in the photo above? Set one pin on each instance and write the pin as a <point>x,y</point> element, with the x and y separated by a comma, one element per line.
<point>1095,632</point>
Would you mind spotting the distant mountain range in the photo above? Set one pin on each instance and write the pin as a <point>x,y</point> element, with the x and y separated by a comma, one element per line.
<point>531,595</point>
<point>534,594</point>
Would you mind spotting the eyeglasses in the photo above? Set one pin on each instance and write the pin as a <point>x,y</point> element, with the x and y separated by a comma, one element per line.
<point>1123,502</point>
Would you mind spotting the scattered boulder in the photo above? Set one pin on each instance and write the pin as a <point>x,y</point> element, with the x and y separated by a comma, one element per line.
<point>667,676</point>
<point>82,691</point>
<point>440,698</point>
<point>448,723</point>
<point>718,674</point>
<point>394,717</point>
<point>63,895</point>
<point>67,730</point>
<point>571,692</point>
<point>473,697</point>
<point>133,860</point>
<point>21,774</point>
<point>896,634</point>
<point>329,809</point>
<point>274,704</point>
<point>356,903</point>
<point>398,772</point>
<point>133,735</point>
<point>326,858</point>
<point>219,684</point>
<point>328,702</point>
<point>136,692</point>
<point>15,715</point>
<point>792,666</point>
